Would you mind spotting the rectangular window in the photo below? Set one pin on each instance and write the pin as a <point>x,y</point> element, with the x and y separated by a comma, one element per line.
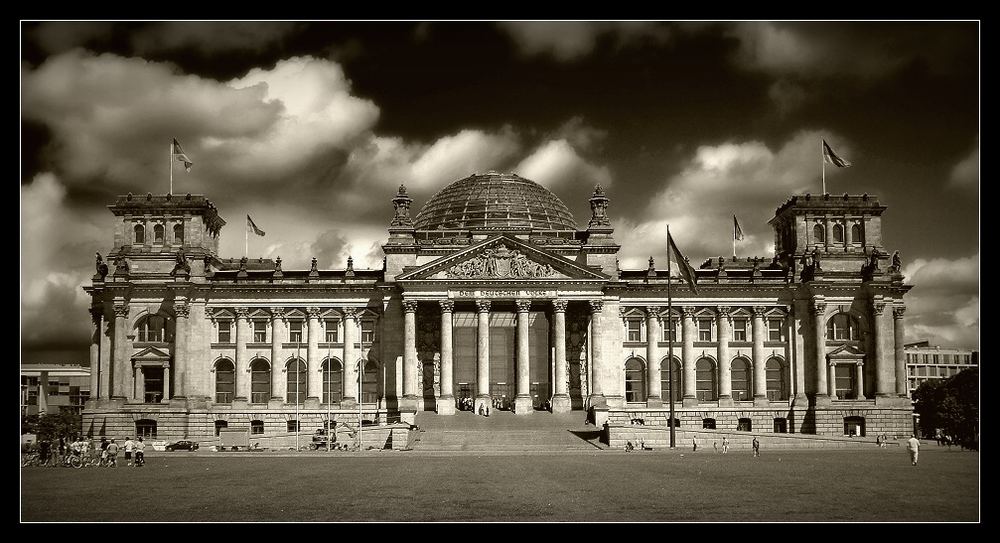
<point>259,331</point>
<point>295,331</point>
<point>367,331</point>
<point>934,371</point>
<point>331,331</point>
<point>293,426</point>
<point>927,359</point>
<point>967,359</point>
<point>922,371</point>
<point>256,427</point>
<point>225,331</point>
<point>704,329</point>
<point>634,329</point>
<point>775,330</point>
<point>935,359</point>
<point>669,333</point>
<point>739,329</point>
<point>845,381</point>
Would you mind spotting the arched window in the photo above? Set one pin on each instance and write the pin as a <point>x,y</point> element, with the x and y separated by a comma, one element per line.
<point>705,380</point>
<point>856,234</point>
<point>635,381</point>
<point>225,381</point>
<point>333,381</point>
<point>842,326</point>
<point>708,424</point>
<point>670,391</point>
<point>260,381</point>
<point>369,383</point>
<point>179,234</point>
<point>819,233</point>
<point>158,234</point>
<point>220,425</point>
<point>153,328</point>
<point>298,378</point>
<point>777,380</point>
<point>256,427</point>
<point>140,235</point>
<point>145,428</point>
<point>838,233</point>
<point>741,379</point>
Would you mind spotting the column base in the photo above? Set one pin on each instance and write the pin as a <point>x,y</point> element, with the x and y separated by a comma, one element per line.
<point>178,402</point>
<point>824,400</point>
<point>725,401</point>
<point>406,403</point>
<point>597,400</point>
<point>523,405</point>
<point>276,402</point>
<point>350,403</point>
<point>312,402</point>
<point>239,403</point>
<point>561,403</point>
<point>446,405</point>
<point>761,401</point>
<point>689,401</point>
<point>654,401</point>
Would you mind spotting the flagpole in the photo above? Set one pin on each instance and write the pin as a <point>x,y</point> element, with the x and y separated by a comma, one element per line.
<point>734,238</point>
<point>670,344</point>
<point>170,159</point>
<point>822,159</point>
<point>246,237</point>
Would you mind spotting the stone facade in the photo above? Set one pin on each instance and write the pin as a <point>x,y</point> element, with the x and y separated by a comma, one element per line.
<point>502,305</point>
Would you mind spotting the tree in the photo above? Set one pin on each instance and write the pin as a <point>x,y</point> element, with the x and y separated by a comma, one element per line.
<point>52,426</point>
<point>952,406</point>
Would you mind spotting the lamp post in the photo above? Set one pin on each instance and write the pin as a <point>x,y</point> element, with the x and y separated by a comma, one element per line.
<point>329,396</point>
<point>361,369</point>
<point>297,395</point>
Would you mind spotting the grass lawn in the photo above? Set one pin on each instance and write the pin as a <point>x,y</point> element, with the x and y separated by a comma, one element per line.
<point>869,485</point>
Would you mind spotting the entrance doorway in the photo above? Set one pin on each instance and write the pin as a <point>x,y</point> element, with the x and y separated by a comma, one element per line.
<point>152,381</point>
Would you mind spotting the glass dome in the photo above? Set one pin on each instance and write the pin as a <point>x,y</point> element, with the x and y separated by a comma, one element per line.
<point>494,200</point>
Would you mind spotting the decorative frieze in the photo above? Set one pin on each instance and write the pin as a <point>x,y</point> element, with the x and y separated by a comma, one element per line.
<point>499,263</point>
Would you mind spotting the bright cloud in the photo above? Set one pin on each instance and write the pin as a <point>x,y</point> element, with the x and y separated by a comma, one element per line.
<point>966,173</point>
<point>556,164</point>
<point>943,306</point>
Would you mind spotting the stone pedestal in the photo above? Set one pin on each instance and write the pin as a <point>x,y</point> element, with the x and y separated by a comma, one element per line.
<point>561,404</point>
<point>311,403</point>
<point>523,405</point>
<point>446,405</point>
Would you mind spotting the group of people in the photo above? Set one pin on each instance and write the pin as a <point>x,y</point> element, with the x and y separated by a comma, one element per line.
<point>64,450</point>
<point>725,446</point>
<point>882,440</point>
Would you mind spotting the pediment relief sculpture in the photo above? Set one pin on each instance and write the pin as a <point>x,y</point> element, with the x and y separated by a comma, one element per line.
<point>499,263</point>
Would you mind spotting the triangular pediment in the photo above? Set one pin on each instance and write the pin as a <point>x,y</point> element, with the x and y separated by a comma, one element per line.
<point>846,351</point>
<point>151,353</point>
<point>502,258</point>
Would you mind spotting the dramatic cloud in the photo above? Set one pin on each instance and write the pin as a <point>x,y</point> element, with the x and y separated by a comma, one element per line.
<point>210,37</point>
<point>571,40</point>
<point>943,306</point>
<point>965,174</point>
<point>556,164</point>
<point>747,179</point>
<point>56,37</point>
<point>57,261</point>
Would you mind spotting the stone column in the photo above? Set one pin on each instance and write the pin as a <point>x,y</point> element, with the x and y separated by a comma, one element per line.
<point>181,356</point>
<point>759,367</point>
<point>796,334</point>
<point>277,316</point>
<point>828,225</point>
<point>483,351</point>
<point>351,354</point>
<point>861,380</point>
<point>107,357</point>
<point>446,403</point>
<point>897,328</point>
<point>725,369</point>
<point>597,398</point>
<point>560,400</point>
<point>166,382</point>
<point>819,342</point>
<point>522,402</point>
<point>138,385</point>
<point>43,393</point>
<point>687,355</point>
<point>653,389</point>
<point>95,354</point>
<point>122,375</point>
<point>883,387</point>
<point>243,333</point>
<point>314,384</point>
<point>831,383</point>
<point>848,239</point>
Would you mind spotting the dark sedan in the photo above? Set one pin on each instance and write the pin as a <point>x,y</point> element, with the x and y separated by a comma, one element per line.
<point>183,446</point>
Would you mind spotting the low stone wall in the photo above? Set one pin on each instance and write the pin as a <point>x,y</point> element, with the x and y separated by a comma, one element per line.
<point>659,438</point>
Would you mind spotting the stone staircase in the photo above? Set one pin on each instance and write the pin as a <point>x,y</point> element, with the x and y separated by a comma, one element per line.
<point>504,431</point>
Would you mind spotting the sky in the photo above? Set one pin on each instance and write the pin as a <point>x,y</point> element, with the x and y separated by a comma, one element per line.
<point>311,126</point>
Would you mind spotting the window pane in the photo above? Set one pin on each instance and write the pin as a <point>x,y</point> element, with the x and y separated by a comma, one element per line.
<point>259,331</point>
<point>225,331</point>
<point>777,388</point>
<point>739,330</point>
<point>774,330</point>
<point>295,331</point>
<point>705,380</point>
<point>634,381</point>
<point>704,330</point>
<point>333,382</point>
<point>178,233</point>
<point>331,331</point>
<point>741,379</point>
<point>367,331</point>
<point>845,381</point>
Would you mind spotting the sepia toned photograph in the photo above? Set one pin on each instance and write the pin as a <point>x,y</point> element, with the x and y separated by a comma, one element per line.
<point>499,271</point>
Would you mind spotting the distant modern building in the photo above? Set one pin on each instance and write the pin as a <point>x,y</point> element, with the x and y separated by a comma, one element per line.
<point>925,362</point>
<point>494,295</point>
<point>51,388</point>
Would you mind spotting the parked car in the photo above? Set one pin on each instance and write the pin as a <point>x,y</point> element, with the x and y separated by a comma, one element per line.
<point>183,445</point>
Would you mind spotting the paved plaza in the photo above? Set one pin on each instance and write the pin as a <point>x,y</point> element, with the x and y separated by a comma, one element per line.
<point>678,485</point>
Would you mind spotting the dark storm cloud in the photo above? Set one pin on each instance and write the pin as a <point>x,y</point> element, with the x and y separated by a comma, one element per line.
<point>572,40</point>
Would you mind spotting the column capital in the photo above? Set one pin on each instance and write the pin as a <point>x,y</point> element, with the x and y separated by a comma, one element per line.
<point>121,310</point>
<point>723,310</point>
<point>447,306</point>
<point>652,311</point>
<point>410,306</point>
<point>758,311</point>
<point>687,312</point>
<point>559,306</point>
<point>312,312</point>
<point>353,313</point>
<point>242,313</point>
<point>897,312</point>
<point>277,313</point>
<point>878,308</point>
<point>819,308</point>
<point>523,306</point>
<point>596,306</point>
<point>182,311</point>
<point>96,313</point>
<point>483,306</point>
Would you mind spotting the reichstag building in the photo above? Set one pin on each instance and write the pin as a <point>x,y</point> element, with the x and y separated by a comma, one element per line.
<point>494,295</point>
